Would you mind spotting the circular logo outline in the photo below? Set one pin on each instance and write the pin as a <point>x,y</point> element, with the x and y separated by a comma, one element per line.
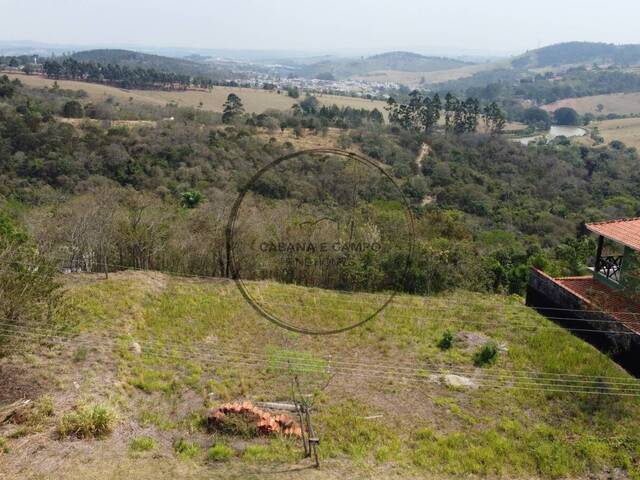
<point>231,263</point>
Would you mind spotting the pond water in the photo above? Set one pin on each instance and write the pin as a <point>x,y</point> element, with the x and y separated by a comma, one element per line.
<point>555,131</point>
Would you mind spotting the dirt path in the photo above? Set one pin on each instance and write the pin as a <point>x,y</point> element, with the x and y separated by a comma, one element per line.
<point>425,151</point>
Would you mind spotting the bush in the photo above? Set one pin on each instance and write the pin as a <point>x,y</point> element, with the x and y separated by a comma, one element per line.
<point>186,450</point>
<point>142,444</point>
<point>87,421</point>
<point>191,199</point>
<point>3,445</point>
<point>29,292</point>
<point>220,453</point>
<point>446,342</point>
<point>487,355</point>
<point>73,109</point>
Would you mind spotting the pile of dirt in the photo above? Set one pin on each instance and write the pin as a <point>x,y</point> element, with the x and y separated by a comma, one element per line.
<point>247,414</point>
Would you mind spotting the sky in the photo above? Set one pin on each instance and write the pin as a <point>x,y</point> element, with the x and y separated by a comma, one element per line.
<point>323,26</point>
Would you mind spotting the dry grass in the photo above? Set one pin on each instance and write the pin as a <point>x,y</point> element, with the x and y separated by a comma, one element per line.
<point>627,130</point>
<point>415,79</point>
<point>307,140</point>
<point>617,103</point>
<point>254,100</point>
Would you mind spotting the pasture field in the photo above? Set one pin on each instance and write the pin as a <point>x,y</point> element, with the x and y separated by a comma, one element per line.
<point>392,398</point>
<point>254,100</point>
<point>627,130</point>
<point>415,79</point>
<point>617,103</point>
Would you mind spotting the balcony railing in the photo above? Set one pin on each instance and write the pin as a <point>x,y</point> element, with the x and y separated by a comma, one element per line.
<point>610,267</point>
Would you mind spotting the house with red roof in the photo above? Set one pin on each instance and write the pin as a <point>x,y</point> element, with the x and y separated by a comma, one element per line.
<point>599,307</point>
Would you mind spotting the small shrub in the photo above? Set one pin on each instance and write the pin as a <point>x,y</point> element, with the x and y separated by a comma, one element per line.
<point>4,448</point>
<point>186,450</point>
<point>142,444</point>
<point>487,355</point>
<point>87,421</point>
<point>446,342</point>
<point>220,453</point>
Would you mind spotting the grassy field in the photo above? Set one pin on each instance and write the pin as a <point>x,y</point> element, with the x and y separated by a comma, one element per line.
<point>146,354</point>
<point>618,103</point>
<point>254,100</point>
<point>627,130</point>
<point>415,79</point>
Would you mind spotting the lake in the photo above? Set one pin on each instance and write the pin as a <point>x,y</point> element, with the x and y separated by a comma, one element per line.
<point>554,132</point>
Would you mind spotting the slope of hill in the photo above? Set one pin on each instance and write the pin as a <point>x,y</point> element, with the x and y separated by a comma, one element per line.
<point>159,350</point>
<point>254,100</point>
<point>391,61</point>
<point>133,59</point>
<point>571,53</point>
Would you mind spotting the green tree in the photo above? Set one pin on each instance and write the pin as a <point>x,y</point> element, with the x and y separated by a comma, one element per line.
<point>494,118</point>
<point>232,108</point>
<point>309,105</point>
<point>537,117</point>
<point>73,109</point>
<point>566,116</point>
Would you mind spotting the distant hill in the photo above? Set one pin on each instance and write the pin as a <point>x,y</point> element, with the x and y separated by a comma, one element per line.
<point>397,61</point>
<point>579,53</point>
<point>133,59</point>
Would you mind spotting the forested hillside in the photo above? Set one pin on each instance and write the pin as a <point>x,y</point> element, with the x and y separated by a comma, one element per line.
<point>486,207</point>
<point>579,53</point>
<point>400,61</point>
<point>132,59</point>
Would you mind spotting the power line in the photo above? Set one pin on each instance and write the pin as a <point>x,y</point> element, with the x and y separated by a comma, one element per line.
<point>333,309</point>
<point>48,333</point>
<point>343,368</point>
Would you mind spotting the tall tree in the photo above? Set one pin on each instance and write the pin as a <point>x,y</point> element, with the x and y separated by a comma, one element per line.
<point>494,118</point>
<point>232,108</point>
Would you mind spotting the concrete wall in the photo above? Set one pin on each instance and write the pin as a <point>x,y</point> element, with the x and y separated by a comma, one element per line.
<point>604,332</point>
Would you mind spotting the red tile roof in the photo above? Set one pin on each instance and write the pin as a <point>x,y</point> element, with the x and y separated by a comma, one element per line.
<point>597,296</point>
<point>625,231</point>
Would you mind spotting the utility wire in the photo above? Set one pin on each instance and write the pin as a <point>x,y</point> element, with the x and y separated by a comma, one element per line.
<point>337,367</point>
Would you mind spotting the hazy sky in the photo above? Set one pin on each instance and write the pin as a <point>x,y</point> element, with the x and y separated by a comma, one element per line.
<point>322,25</point>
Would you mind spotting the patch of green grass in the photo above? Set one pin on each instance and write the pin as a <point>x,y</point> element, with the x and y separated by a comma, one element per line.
<point>151,380</point>
<point>4,445</point>
<point>279,449</point>
<point>220,453</point>
<point>346,431</point>
<point>142,444</point>
<point>186,450</point>
<point>87,421</point>
<point>160,420</point>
